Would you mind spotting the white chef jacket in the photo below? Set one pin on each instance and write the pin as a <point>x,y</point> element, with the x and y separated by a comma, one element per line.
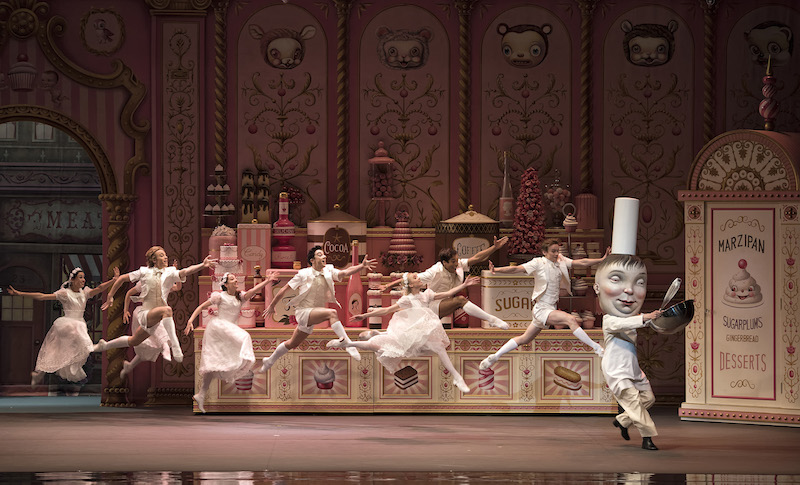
<point>620,364</point>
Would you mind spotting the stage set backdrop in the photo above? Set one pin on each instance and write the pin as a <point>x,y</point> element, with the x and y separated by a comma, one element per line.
<point>173,103</point>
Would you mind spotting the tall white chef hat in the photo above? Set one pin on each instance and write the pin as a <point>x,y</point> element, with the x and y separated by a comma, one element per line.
<point>625,226</point>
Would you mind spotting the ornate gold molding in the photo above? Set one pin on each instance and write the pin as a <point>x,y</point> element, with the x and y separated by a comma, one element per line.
<point>118,208</point>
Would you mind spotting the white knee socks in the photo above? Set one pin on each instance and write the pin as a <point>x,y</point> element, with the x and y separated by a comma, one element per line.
<point>506,348</point>
<point>268,362</point>
<point>578,332</point>
<point>117,343</point>
<point>477,312</point>
<point>338,329</point>
<point>174,343</point>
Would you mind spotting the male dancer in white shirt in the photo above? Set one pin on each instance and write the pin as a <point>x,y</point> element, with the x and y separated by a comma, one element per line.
<point>448,273</point>
<point>548,273</point>
<point>158,279</point>
<point>314,285</point>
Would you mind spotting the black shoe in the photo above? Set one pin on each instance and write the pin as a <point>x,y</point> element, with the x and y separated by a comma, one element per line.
<point>622,430</point>
<point>647,444</point>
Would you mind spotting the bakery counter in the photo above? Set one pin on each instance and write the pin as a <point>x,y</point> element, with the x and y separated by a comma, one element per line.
<point>554,374</point>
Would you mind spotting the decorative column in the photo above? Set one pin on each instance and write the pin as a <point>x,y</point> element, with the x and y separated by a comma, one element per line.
<point>587,175</point>
<point>464,8</point>
<point>710,9</point>
<point>342,104</point>
<point>118,208</point>
<point>177,184</point>
<point>220,89</point>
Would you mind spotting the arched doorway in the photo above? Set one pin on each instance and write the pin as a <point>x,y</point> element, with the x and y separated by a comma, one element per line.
<point>52,222</point>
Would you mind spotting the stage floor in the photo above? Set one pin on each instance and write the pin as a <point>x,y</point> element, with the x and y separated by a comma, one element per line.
<point>65,434</point>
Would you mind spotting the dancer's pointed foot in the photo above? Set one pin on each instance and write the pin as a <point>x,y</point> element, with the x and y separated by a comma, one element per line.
<point>265,365</point>
<point>354,353</point>
<point>459,382</point>
<point>647,444</point>
<point>200,398</point>
<point>335,344</point>
<point>600,351</point>
<point>36,378</point>
<point>498,323</point>
<point>126,367</point>
<point>99,346</point>
<point>488,362</point>
<point>177,353</point>
<point>622,430</point>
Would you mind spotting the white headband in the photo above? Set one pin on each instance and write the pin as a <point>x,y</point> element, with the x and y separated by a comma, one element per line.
<point>225,278</point>
<point>72,274</point>
<point>405,279</point>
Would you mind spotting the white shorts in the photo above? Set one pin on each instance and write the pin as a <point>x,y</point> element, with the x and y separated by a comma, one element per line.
<point>540,313</point>
<point>142,320</point>
<point>301,315</point>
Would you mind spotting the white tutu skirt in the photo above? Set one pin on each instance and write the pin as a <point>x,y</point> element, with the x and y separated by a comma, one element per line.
<point>411,333</point>
<point>154,345</point>
<point>227,351</point>
<point>65,349</point>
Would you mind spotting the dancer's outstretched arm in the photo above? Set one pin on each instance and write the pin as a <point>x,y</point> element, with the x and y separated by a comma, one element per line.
<point>103,286</point>
<point>378,312</point>
<point>368,264</point>
<point>200,308</point>
<point>482,256</point>
<point>271,279</point>
<point>507,269</point>
<point>587,262</point>
<point>32,294</point>
<point>470,281</point>
<point>114,288</point>
<point>126,314</point>
<point>207,263</point>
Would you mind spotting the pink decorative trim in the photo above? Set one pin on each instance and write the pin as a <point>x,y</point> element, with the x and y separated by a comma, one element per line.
<point>745,417</point>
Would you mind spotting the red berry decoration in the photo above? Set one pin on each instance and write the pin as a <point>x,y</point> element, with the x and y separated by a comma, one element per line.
<point>742,263</point>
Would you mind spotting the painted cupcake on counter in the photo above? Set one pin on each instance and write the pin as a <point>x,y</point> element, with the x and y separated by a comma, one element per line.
<point>324,377</point>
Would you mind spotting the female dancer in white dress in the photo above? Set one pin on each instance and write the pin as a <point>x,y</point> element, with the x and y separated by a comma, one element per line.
<point>158,279</point>
<point>227,348</point>
<point>414,330</point>
<point>67,344</point>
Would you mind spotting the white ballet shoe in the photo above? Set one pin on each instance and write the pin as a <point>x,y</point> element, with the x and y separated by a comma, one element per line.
<point>126,367</point>
<point>600,351</point>
<point>497,323</point>
<point>265,365</point>
<point>488,362</point>
<point>354,353</point>
<point>99,346</point>
<point>335,344</point>
<point>459,382</point>
<point>200,399</point>
<point>177,353</point>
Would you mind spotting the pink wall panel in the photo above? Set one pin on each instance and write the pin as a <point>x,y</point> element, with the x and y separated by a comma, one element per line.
<point>525,100</point>
<point>281,123</point>
<point>404,77</point>
<point>648,115</point>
